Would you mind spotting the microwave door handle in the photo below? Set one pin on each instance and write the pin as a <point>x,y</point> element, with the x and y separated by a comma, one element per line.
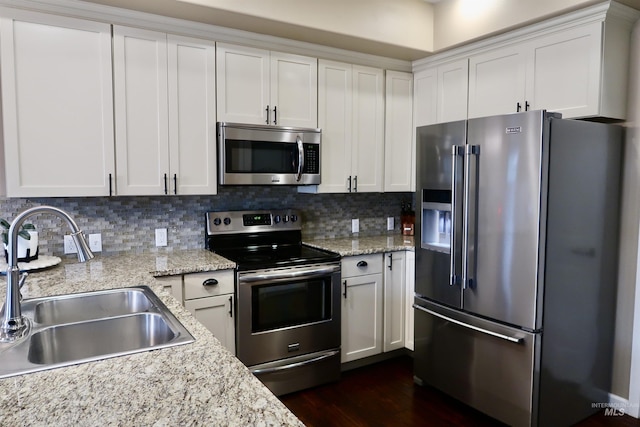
<point>300,157</point>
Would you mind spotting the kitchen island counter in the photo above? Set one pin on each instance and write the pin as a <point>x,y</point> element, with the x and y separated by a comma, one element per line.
<point>355,245</point>
<point>200,383</point>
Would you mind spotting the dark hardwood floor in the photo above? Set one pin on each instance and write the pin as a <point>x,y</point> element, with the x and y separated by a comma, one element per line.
<point>384,395</point>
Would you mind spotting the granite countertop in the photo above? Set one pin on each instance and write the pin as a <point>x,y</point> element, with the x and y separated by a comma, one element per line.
<point>200,383</point>
<point>356,245</point>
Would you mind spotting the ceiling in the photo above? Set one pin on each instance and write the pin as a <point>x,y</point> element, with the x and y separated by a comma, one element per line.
<point>399,29</point>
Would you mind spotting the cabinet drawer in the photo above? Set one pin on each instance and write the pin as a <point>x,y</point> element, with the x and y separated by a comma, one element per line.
<point>369,264</point>
<point>194,287</point>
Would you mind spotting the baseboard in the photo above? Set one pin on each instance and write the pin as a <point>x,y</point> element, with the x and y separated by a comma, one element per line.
<point>622,406</point>
<point>375,359</point>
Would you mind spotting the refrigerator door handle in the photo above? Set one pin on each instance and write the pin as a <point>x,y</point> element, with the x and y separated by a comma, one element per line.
<point>456,150</point>
<point>515,340</point>
<point>470,150</point>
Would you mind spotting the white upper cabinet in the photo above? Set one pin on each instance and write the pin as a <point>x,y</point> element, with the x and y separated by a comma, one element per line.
<point>141,111</point>
<point>192,115</point>
<point>257,86</point>
<point>165,113</point>
<point>57,107</point>
<point>351,116</point>
<point>399,159</point>
<point>497,82</point>
<point>440,93</point>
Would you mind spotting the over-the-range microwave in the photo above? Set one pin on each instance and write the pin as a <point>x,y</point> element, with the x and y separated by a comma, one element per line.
<point>268,155</point>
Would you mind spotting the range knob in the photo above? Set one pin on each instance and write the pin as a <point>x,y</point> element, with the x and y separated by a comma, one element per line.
<point>277,219</point>
<point>294,218</point>
<point>217,221</point>
<point>285,218</point>
<point>227,221</point>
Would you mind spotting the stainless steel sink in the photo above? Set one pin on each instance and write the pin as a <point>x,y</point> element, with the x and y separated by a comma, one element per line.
<point>77,328</point>
<point>94,305</point>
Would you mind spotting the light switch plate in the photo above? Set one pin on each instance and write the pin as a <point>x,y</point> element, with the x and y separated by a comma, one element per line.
<point>390,223</point>
<point>69,245</point>
<point>161,237</point>
<point>95,242</point>
<point>355,225</point>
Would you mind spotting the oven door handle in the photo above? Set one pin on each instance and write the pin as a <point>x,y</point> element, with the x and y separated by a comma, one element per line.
<point>296,364</point>
<point>288,274</point>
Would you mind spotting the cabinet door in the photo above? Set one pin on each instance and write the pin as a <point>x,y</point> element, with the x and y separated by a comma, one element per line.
<point>453,84</point>
<point>410,282</point>
<point>394,300</point>
<point>242,84</point>
<point>192,116</point>
<point>294,90</point>
<point>173,285</point>
<point>497,82</point>
<point>368,130</point>
<point>216,314</point>
<point>566,72</point>
<point>141,111</point>
<point>335,120</point>
<point>361,317</point>
<point>425,97</point>
<point>398,134</point>
<point>57,107</point>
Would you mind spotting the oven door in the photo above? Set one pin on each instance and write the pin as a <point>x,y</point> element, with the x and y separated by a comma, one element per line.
<point>287,312</point>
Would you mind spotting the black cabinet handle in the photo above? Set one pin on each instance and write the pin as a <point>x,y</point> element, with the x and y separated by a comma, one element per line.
<point>349,180</point>
<point>390,261</point>
<point>526,106</point>
<point>165,184</point>
<point>362,264</point>
<point>275,115</point>
<point>175,183</point>
<point>210,282</point>
<point>518,107</point>
<point>345,289</point>
<point>110,185</point>
<point>230,306</point>
<point>267,110</point>
<point>355,184</point>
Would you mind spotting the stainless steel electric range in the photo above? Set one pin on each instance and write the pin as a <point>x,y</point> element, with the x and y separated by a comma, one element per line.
<point>287,298</point>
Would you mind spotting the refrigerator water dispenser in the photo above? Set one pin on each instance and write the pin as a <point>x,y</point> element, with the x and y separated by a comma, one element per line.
<point>436,226</point>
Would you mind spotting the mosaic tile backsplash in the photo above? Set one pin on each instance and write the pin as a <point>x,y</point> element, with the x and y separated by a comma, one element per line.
<point>129,223</point>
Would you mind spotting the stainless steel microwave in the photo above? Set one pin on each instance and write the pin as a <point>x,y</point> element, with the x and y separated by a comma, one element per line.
<point>268,155</point>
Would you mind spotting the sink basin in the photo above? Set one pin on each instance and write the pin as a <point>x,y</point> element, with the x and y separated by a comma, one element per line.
<point>78,328</point>
<point>78,308</point>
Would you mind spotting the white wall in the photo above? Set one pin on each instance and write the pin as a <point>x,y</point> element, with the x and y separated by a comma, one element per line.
<point>459,21</point>
<point>626,367</point>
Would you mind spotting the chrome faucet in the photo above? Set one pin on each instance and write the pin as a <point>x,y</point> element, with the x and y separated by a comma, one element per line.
<point>15,326</point>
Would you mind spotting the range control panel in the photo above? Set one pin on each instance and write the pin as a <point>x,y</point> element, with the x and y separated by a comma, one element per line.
<point>252,221</point>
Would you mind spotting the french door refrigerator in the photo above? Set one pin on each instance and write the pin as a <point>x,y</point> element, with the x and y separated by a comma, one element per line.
<point>516,264</point>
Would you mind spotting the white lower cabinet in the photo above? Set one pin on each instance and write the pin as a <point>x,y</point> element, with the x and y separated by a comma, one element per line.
<point>209,296</point>
<point>377,296</point>
<point>361,306</point>
<point>394,300</point>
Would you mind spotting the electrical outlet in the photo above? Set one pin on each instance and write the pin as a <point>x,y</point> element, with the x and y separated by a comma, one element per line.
<point>390,224</point>
<point>95,242</point>
<point>355,225</point>
<point>69,245</point>
<point>161,237</point>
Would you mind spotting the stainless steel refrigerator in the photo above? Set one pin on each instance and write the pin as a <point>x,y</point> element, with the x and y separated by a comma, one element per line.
<point>516,264</point>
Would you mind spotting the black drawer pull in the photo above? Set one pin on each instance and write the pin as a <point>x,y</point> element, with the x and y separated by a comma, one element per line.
<point>362,264</point>
<point>210,282</point>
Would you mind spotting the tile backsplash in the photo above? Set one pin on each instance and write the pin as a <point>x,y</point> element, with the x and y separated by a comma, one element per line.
<point>128,223</point>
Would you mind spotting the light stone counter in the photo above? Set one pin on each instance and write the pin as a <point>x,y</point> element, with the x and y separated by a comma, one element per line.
<point>200,383</point>
<point>355,245</point>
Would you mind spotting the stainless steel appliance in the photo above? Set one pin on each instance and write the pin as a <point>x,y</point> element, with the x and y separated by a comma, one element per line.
<point>516,265</point>
<point>287,298</point>
<point>268,155</point>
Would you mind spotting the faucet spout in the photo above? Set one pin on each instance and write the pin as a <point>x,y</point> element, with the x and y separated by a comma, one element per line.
<point>15,326</point>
